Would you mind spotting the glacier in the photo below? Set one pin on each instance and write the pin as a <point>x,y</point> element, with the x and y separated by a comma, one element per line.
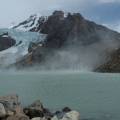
<point>16,52</point>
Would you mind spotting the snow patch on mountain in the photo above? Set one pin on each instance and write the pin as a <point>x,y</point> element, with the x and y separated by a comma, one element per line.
<point>31,24</point>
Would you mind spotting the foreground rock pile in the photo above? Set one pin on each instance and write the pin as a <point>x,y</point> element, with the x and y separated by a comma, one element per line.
<point>11,109</point>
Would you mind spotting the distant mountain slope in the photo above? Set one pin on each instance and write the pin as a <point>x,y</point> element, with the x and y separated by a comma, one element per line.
<point>72,42</point>
<point>33,23</point>
<point>112,64</point>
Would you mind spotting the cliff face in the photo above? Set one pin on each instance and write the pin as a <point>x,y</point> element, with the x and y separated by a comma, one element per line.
<point>73,29</point>
<point>6,41</point>
<point>112,65</point>
<point>69,32</point>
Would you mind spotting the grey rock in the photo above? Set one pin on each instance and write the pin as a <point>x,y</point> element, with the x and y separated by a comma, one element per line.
<point>37,105</point>
<point>18,117</point>
<point>2,110</point>
<point>55,118</point>
<point>73,115</point>
<point>10,103</point>
<point>34,110</point>
<point>38,118</point>
<point>6,41</point>
<point>66,109</point>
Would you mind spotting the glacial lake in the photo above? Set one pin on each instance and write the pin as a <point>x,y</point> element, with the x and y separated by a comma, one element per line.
<point>96,96</point>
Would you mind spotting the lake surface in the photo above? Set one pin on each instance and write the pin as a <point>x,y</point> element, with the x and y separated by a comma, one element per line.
<point>96,96</point>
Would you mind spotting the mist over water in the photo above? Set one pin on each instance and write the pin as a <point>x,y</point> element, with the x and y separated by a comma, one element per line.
<point>78,57</point>
<point>73,55</point>
<point>73,58</point>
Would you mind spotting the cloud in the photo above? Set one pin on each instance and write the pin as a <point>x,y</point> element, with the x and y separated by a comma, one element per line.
<point>96,10</point>
<point>115,26</point>
<point>109,1</point>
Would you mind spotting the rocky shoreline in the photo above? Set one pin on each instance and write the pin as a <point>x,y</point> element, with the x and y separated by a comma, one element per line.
<point>11,109</point>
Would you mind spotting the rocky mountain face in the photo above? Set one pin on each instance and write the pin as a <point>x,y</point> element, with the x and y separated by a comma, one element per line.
<point>61,28</point>
<point>6,41</point>
<point>112,64</point>
<point>73,29</point>
<point>73,34</point>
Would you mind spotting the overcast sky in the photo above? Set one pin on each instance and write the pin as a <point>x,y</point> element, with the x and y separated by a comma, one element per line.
<point>101,11</point>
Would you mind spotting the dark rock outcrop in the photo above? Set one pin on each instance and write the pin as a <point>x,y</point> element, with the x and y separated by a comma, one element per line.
<point>66,109</point>
<point>112,65</point>
<point>6,41</point>
<point>73,29</point>
<point>34,110</point>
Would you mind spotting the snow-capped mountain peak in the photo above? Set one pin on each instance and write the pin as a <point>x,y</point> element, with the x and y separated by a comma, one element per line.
<point>33,23</point>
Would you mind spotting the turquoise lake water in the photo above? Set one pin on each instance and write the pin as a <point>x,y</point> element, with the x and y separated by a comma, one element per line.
<point>95,95</point>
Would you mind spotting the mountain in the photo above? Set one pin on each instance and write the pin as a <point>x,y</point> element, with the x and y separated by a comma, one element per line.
<point>33,23</point>
<point>112,63</point>
<point>72,42</point>
<point>70,26</point>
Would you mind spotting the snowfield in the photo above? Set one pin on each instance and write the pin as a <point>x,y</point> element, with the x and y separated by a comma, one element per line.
<point>23,39</point>
<point>30,23</point>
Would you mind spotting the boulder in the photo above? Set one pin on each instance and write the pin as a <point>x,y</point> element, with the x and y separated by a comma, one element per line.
<point>34,110</point>
<point>18,117</point>
<point>37,105</point>
<point>47,113</point>
<point>73,115</point>
<point>59,114</point>
<point>10,103</point>
<point>66,109</point>
<point>55,118</point>
<point>33,113</point>
<point>10,113</point>
<point>39,118</point>
<point>2,110</point>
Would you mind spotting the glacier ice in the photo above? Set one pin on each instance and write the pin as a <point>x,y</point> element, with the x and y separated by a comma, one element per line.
<point>23,39</point>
